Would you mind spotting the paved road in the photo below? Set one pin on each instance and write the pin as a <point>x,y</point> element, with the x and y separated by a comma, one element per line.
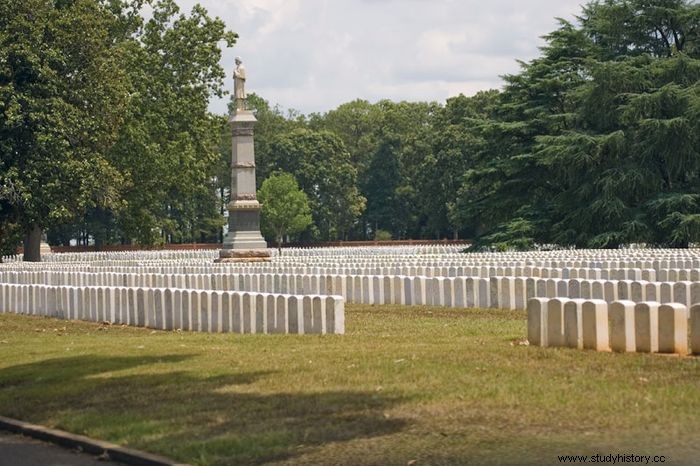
<point>16,450</point>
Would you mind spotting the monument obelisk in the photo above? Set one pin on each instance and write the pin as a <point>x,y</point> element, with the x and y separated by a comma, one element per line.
<point>243,242</point>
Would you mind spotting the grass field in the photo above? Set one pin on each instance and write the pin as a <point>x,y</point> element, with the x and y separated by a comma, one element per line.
<point>405,385</point>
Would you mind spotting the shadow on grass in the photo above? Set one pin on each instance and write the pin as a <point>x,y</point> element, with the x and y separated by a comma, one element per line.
<point>193,417</point>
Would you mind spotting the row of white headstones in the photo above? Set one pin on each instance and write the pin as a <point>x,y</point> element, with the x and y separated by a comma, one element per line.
<point>171,309</point>
<point>623,326</point>
<point>459,292</point>
<point>412,275</point>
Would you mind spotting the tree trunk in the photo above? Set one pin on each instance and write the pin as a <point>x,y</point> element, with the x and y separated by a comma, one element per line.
<point>32,245</point>
<point>223,211</point>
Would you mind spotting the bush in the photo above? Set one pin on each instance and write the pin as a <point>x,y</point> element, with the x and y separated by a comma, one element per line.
<point>382,235</point>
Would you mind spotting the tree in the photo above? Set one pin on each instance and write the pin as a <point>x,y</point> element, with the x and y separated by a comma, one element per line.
<point>657,28</point>
<point>63,95</point>
<point>355,123</point>
<point>10,232</point>
<point>455,148</point>
<point>594,144</point>
<point>387,142</point>
<point>390,182</point>
<point>272,121</point>
<point>285,207</point>
<point>321,164</point>
<point>506,185</point>
<point>168,147</point>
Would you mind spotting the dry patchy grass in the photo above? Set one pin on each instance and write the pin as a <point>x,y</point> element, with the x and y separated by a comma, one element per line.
<point>405,383</point>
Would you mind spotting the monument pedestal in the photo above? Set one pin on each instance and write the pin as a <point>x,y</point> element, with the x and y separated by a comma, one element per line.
<point>45,249</point>
<point>243,242</point>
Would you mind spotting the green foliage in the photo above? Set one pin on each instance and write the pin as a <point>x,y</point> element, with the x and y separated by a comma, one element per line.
<point>657,28</point>
<point>105,128</point>
<point>168,147</point>
<point>272,121</point>
<point>592,144</point>
<point>285,208</point>
<point>382,235</point>
<point>105,134</point>
<point>10,237</point>
<point>388,143</point>
<point>515,235</point>
<point>321,164</point>
<point>595,143</point>
<point>455,149</point>
<point>63,95</point>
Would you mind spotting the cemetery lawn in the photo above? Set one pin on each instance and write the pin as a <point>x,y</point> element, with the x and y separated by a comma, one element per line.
<point>438,386</point>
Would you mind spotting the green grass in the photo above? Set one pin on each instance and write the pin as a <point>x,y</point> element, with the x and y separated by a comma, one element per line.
<point>405,383</point>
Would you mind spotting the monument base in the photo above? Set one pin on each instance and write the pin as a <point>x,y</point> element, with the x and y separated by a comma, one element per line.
<point>243,255</point>
<point>44,248</point>
<point>241,261</point>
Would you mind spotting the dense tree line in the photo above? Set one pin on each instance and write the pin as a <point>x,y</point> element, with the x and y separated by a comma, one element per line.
<point>595,143</point>
<point>104,127</point>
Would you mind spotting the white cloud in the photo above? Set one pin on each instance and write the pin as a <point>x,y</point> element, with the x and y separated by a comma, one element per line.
<point>313,55</point>
<point>276,13</point>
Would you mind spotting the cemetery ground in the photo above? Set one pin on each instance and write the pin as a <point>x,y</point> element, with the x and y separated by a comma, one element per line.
<point>434,385</point>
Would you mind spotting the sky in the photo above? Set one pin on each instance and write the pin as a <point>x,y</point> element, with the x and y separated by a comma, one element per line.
<point>313,55</point>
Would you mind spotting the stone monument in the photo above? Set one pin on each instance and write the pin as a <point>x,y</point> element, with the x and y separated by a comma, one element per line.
<point>243,242</point>
<point>44,248</point>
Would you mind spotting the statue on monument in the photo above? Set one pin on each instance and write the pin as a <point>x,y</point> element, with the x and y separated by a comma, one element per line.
<point>239,85</point>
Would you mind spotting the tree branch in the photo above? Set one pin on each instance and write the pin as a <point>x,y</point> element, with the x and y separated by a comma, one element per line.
<point>677,41</point>
<point>663,36</point>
